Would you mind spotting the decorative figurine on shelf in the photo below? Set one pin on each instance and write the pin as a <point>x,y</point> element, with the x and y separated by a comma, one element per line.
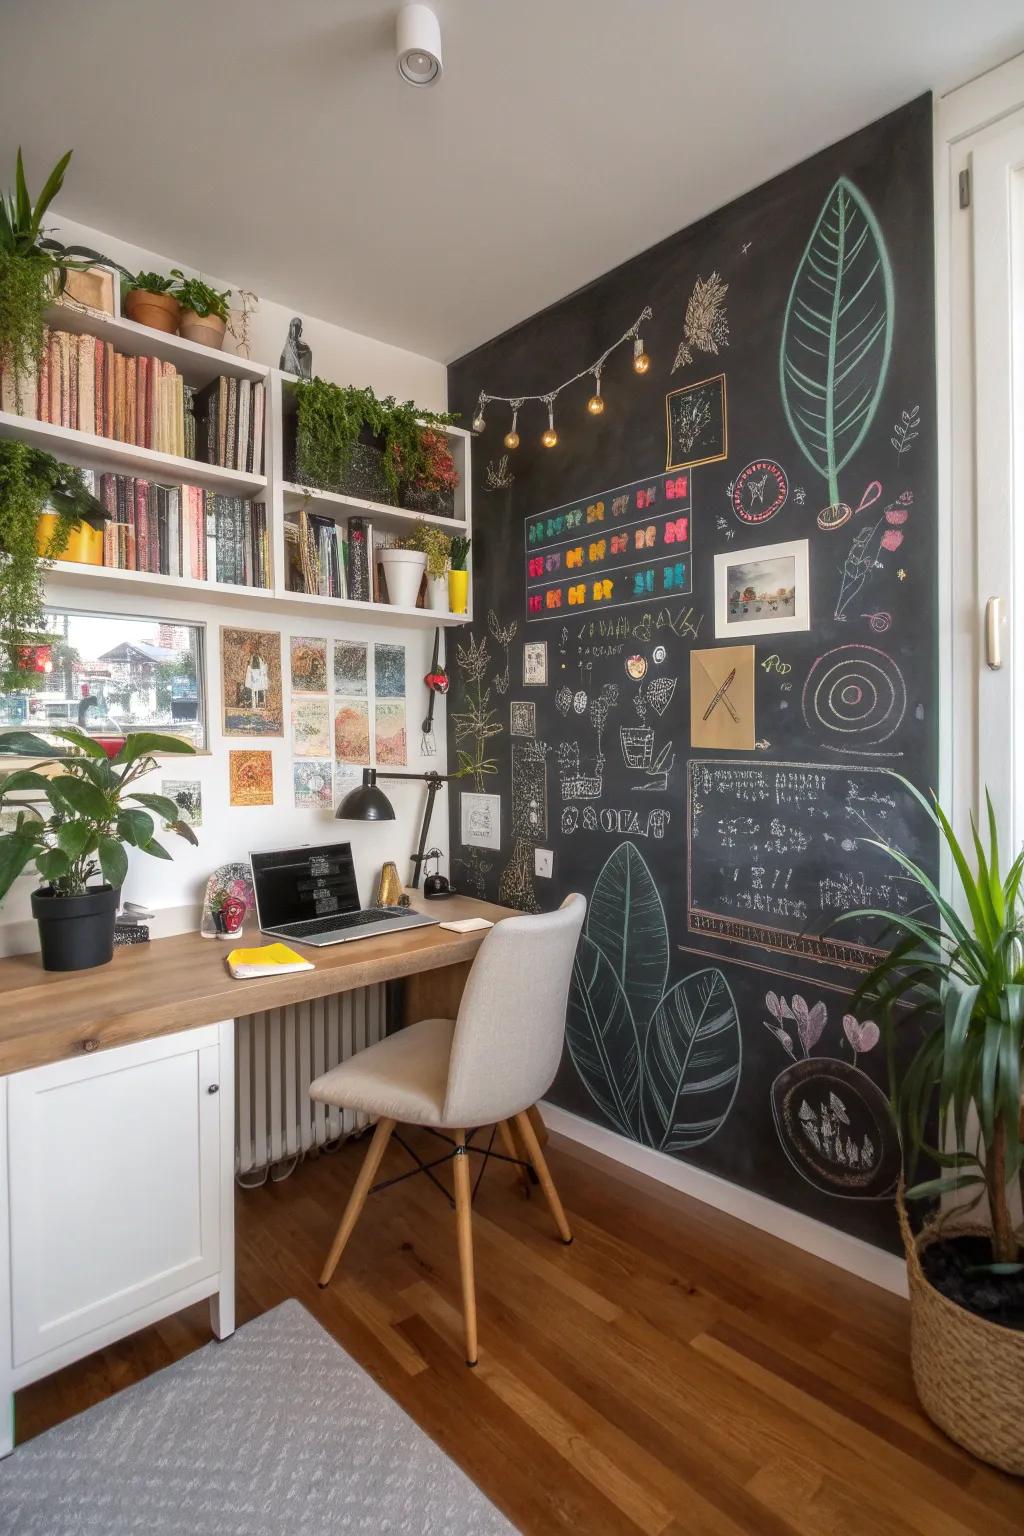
<point>297,357</point>
<point>389,886</point>
<point>228,901</point>
<point>436,885</point>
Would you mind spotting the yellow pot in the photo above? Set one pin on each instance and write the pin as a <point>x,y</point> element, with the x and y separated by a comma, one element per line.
<point>458,591</point>
<point>84,547</point>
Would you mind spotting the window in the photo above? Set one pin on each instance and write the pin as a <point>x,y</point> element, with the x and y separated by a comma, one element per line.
<point>108,675</point>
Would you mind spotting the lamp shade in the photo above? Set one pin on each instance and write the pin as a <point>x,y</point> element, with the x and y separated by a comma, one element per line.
<point>366,802</point>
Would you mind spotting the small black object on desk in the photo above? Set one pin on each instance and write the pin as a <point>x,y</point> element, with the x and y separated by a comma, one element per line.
<point>367,802</point>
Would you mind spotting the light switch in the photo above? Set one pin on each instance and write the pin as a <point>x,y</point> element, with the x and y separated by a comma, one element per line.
<point>543,861</point>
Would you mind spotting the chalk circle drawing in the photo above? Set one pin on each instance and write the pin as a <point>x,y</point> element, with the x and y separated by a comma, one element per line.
<point>662,1063</point>
<point>535,663</point>
<point>480,820</point>
<point>579,701</point>
<point>522,717</point>
<point>759,491</point>
<point>705,324</point>
<point>696,424</point>
<point>658,655</point>
<point>837,334</point>
<point>839,513</point>
<point>879,621</point>
<point>854,691</point>
<point>563,701</point>
<point>833,1121</point>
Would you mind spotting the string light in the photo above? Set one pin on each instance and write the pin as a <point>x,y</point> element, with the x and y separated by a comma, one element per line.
<point>595,405</point>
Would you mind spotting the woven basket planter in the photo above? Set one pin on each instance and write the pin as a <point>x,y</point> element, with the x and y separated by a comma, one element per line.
<point>969,1373</point>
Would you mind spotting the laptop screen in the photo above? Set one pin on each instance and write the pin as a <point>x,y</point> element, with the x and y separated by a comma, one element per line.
<point>295,884</point>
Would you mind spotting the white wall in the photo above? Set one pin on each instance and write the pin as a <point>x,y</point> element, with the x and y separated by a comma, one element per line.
<point>175,890</point>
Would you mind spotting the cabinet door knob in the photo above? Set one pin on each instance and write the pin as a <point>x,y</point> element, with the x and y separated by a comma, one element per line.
<point>213,1088</point>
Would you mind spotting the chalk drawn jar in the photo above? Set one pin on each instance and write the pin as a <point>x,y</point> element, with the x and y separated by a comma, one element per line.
<point>637,745</point>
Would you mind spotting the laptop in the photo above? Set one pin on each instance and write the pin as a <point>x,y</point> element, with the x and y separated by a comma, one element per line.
<point>310,896</point>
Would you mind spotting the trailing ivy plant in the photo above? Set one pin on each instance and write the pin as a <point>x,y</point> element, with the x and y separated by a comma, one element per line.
<point>30,482</point>
<point>329,419</point>
<point>192,293</point>
<point>31,275</point>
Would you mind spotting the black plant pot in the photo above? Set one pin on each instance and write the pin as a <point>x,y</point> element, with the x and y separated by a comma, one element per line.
<point>76,932</point>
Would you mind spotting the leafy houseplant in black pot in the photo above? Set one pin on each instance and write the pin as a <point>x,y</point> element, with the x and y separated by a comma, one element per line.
<point>95,810</point>
<point>959,985</point>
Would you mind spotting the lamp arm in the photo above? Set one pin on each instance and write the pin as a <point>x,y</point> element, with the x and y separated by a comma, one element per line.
<point>433,782</point>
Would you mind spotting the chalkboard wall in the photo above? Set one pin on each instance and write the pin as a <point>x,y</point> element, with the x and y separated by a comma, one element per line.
<point>705,642</point>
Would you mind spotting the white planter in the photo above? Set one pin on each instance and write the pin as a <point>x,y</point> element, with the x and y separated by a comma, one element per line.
<point>437,593</point>
<point>403,572</point>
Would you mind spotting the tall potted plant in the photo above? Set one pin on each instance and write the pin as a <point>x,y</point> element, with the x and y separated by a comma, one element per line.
<point>32,275</point>
<point>96,809</point>
<point>959,984</point>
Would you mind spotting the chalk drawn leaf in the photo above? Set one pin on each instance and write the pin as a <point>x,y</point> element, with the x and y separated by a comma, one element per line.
<point>809,1022</point>
<point>627,922</point>
<point>863,1037</point>
<point>602,1040</point>
<point>837,334</point>
<point>692,1063</point>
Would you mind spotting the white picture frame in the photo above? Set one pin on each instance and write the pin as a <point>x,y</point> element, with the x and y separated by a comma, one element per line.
<point>480,820</point>
<point>766,611</point>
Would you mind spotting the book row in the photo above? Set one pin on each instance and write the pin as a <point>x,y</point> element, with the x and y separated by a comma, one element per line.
<point>174,530</point>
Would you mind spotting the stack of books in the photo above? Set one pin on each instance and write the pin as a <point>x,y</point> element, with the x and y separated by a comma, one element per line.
<point>174,530</point>
<point>319,555</point>
<point>229,424</point>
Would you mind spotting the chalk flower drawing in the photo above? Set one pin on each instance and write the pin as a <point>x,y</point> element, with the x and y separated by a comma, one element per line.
<point>662,1063</point>
<point>692,419</point>
<point>504,635</point>
<point>706,325</point>
<point>476,722</point>
<point>498,477</point>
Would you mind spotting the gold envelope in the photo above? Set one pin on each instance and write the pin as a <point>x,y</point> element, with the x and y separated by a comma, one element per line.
<point>722,698</point>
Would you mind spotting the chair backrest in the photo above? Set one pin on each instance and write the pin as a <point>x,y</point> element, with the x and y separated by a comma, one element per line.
<point>511,1024</point>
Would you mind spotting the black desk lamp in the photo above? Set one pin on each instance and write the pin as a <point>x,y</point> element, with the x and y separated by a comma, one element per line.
<point>369,803</point>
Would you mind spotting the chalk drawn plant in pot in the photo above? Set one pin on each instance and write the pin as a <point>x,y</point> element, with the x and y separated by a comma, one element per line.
<point>95,811</point>
<point>661,1063</point>
<point>959,983</point>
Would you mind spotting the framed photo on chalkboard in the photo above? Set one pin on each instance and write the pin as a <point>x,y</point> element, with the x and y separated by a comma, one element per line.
<point>762,591</point>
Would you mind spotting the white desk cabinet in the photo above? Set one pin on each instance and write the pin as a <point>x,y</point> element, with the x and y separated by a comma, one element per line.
<point>116,1183</point>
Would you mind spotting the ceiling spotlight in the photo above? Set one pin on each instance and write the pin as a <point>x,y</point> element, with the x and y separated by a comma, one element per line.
<point>418,38</point>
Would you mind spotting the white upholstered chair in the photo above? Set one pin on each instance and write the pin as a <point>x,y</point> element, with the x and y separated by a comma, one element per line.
<point>487,1067</point>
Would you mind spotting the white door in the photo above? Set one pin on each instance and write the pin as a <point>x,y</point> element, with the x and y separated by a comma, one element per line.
<point>114,1168</point>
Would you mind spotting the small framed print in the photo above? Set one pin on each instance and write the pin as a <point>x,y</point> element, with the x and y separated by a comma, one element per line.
<point>535,664</point>
<point>481,820</point>
<point>763,591</point>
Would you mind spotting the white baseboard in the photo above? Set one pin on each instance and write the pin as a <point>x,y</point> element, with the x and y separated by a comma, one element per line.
<point>849,1253</point>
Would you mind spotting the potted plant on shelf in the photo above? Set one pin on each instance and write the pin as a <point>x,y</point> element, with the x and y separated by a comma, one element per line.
<point>32,276</point>
<point>436,546</point>
<point>42,504</point>
<point>204,311</point>
<point>958,1102</point>
<point>95,811</point>
<point>149,300</point>
<point>425,475</point>
<point>349,442</point>
<point>458,576</point>
<point>403,563</point>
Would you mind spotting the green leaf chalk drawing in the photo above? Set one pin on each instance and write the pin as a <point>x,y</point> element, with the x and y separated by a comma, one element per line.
<point>837,334</point>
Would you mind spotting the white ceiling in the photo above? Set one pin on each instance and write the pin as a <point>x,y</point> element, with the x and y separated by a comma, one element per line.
<point>273,141</point>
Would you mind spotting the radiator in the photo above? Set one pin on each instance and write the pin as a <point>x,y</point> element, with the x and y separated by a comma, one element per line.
<point>277,1056</point>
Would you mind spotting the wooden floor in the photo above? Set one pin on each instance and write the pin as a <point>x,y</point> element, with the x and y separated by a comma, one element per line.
<point>674,1371</point>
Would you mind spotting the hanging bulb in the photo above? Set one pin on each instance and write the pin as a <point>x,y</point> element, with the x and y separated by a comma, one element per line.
<point>512,436</point>
<point>549,437</point>
<point>478,419</point>
<point>595,405</point>
<point>641,361</point>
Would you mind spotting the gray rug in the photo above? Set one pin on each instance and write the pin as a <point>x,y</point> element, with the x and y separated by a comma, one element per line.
<point>275,1432</point>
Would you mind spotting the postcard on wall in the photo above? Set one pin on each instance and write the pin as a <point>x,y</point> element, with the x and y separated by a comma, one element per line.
<point>350,668</point>
<point>250,665</point>
<point>187,795</point>
<point>535,663</point>
<point>390,727</point>
<point>722,698</point>
<point>763,591</point>
<point>352,731</point>
<point>313,786</point>
<point>311,728</point>
<point>389,671</point>
<point>309,664</point>
<point>345,778</point>
<point>481,820</point>
<point>251,778</point>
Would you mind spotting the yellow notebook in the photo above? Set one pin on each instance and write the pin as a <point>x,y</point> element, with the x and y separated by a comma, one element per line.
<point>266,960</point>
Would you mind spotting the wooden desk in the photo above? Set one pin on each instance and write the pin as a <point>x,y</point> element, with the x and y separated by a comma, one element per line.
<point>153,989</point>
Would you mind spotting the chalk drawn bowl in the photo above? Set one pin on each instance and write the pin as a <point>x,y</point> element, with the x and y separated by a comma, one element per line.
<point>834,516</point>
<point>837,1129</point>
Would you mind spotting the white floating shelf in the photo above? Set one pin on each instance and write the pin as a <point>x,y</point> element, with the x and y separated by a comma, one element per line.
<point>154,584</point>
<point>371,613</point>
<point>333,504</point>
<point>197,364</point>
<point>105,454</point>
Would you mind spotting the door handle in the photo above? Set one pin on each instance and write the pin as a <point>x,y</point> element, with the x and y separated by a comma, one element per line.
<point>993,633</point>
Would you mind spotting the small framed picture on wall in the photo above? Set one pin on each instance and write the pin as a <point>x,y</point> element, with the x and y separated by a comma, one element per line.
<point>762,591</point>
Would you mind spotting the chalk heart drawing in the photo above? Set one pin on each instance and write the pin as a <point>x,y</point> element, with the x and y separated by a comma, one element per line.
<point>833,1122</point>
<point>854,698</point>
<point>661,1063</point>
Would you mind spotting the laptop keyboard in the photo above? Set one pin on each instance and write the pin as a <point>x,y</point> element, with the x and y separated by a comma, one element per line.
<point>339,921</point>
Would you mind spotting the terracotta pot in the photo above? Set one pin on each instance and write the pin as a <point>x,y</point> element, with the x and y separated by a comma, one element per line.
<point>207,330</point>
<point>160,311</point>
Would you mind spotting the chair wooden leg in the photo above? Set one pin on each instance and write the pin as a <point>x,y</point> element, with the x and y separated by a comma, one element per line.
<point>508,1144</point>
<point>464,1227</point>
<point>357,1199</point>
<point>529,1136</point>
